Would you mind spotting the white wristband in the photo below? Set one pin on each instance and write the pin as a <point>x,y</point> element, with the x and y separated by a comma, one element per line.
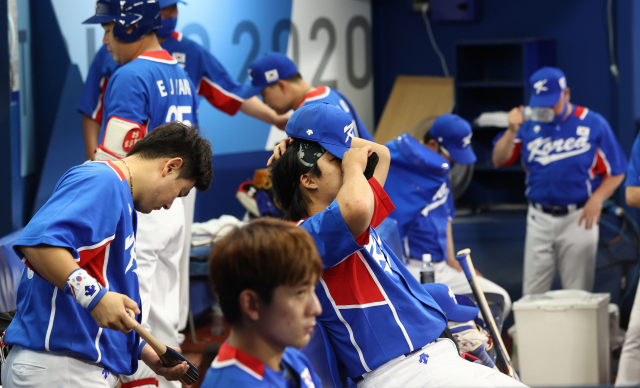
<point>83,287</point>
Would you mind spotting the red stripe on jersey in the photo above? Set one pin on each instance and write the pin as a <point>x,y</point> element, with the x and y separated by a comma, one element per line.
<point>383,206</point>
<point>162,55</point>
<point>517,145</point>
<point>97,114</point>
<point>219,98</point>
<point>320,90</point>
<point>231,353</point>
<point>350,283</point>
<point>578,110</point>
<point>176,35</point>
<point>599,167</point>
<point>117,170</point>
<point>92,260</point>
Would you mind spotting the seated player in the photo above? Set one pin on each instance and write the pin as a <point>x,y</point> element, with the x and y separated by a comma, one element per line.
<point>383,325</point>
<point>264,275</point>
<point>276,78</point>
<point>420,187</point>
<point>71,329</point>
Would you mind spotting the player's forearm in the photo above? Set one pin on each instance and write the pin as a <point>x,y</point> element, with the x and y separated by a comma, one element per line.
<point>382,169</point>
<point>451,255</point>
<point>91,131</point>
<point>255,108</point>
<point>607,187</point>
<point>356,201</point>
<point>54,264</point>
<point>503,149</point>
<point>632,195</point>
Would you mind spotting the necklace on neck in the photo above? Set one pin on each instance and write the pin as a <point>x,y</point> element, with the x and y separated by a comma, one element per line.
<point>130,176</point>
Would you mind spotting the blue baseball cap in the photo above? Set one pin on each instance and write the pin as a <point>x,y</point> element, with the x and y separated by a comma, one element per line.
<point>454,133</point>
<point>445,298</point>
<point>267,70</point>
<point>166,3</point>
<point>323,123</point>
<point>547,84</point>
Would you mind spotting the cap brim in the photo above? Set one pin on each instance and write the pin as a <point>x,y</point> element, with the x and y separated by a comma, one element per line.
<point>545,101</point>
<point>462,156</point>
<point>99,19</point>
<point>337,151</point>
<point>463,313</point>
<point>252,91</point>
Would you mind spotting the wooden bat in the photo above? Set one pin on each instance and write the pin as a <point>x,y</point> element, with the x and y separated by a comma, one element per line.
<point>502,357</point>
<point>168,356</point>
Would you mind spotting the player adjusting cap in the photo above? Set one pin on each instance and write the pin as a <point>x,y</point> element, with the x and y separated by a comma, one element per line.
<point>325,124</point>
<point>454,133</point>
<point>267,70</point>
<point>547,84</point>
<point>445,298</point>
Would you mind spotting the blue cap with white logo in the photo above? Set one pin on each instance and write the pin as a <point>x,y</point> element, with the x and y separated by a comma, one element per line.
<point>323,123</point>
<point>454,133</point>
<point>267,70</point>
<point>547,84</point>
<point>445,298</point>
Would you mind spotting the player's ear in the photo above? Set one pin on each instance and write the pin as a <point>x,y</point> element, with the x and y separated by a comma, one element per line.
<point>568,91</point>
<point>249,302</point>
<point>171,166</point>
<point>308,181</point>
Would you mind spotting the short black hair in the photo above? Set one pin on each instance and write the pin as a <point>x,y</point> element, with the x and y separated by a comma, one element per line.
<point>294,78</point>
<point>178,140</point>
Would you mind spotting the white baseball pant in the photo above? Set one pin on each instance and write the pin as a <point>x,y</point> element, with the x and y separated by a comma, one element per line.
<point>629,367</point>
<point>458,282</point>
<point>558,241</point>
<point>27,368</point>
<point>436,365</point>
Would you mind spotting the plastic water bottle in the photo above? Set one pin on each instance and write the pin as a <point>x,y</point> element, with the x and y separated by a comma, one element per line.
<point>540,114</point>
<point>217,327</point>
<point>427,273</point>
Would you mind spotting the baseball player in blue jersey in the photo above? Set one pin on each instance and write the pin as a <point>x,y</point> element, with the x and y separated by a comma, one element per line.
<point>150,88</point>
<point>628,371</point>
<point>420,187</point>
<point>573,163</point>
<point>383,325</point>
<point>264,275</point>
<point>276,78</point>
<point>210,78</point>
<point>71,328</point>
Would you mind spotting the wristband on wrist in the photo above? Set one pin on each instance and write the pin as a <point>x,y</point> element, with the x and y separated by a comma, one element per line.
<point>84,288</point>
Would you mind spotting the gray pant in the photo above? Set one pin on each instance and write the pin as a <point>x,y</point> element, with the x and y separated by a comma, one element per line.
<point>558,242</point>
<point>629,367</point>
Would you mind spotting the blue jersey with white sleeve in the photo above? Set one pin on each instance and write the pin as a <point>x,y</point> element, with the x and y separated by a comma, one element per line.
<point>418,184</point>
<point>145,93</point>
<point>90,213</point>
<point>234,368</point>
<point>373,309</point>
<point>210,78</point>
<point>633,172</point>
<point>334,97</point>
<point>566,163</point>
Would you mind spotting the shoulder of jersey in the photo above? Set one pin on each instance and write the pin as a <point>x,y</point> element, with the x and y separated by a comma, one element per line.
<point>231,376</point>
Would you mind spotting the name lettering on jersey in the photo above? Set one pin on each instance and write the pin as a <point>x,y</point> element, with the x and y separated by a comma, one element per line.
<point>539,86</point>
<point>163,93</point>
<point>348,129</point>
<point>443,191</point>
<point>545,150</point>
<point>374,247</point>
<point>130,242</point>
<point>178,86</point>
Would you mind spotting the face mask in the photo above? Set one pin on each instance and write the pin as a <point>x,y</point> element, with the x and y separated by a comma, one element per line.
<point>168,26</point>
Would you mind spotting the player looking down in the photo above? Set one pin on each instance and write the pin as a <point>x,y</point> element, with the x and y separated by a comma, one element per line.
<point>264,275</point>
<point>209,77</point>
<point>71,329</point>
<point>573,164</point>
<point>276,78</point>
<point>383,325</point>
<point>420,187</point>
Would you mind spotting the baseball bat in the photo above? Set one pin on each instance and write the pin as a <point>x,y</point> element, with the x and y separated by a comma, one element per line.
<point>168,356</point>
<point>502,357</point>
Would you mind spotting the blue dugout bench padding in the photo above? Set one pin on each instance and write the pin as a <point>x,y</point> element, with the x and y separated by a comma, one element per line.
<point>10,271</point>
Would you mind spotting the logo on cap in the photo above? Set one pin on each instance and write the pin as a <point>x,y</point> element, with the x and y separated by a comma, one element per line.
<point>309,132</point>
<point>539,86</point>
<point>563,83</point>
<point>249,73</point>
<point>271,75</point>
<point>466,140</point>
<point>348,129</point>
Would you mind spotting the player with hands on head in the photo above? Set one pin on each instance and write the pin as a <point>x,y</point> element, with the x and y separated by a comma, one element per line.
<point>207,74</point>
<point>420,187</point>
<point>71,328</point>
<point>628,371</point>
<point>264,275</point>
<point>276,78</point>
<point>573,164</point>
<point>383,325</point>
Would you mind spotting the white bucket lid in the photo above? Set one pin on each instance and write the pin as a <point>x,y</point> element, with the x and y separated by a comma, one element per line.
<point>560,300</point>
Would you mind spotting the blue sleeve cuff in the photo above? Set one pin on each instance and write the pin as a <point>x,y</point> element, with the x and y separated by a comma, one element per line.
<point>95,300</point>
<point>139,351</point>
